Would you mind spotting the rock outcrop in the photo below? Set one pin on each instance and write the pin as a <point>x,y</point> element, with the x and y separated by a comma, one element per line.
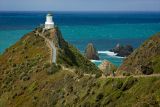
<point>107,68</point>
<point>122,51</point>
<point>91,53</point>
<point>145,59</point>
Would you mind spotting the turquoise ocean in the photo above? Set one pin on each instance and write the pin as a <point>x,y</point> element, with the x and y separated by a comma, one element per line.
<point>103,29</point>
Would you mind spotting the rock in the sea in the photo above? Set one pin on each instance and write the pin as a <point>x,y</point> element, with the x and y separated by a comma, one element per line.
<point>91,52</point>
<point>122,51</point>
<point>107,68</point>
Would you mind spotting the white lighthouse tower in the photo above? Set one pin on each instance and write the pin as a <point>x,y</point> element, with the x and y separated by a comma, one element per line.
<point>49,22</point>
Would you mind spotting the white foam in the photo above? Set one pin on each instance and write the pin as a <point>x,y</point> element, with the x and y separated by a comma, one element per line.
<point>95,60</point>
<point>109,53</point>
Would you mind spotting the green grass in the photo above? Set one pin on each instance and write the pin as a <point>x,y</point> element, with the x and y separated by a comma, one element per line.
<point>30,57</point>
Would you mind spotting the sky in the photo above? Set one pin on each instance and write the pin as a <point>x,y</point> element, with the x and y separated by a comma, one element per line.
<point>80,5</point>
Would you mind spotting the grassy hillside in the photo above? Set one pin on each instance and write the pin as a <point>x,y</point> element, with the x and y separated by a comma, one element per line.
<point>27,63</point>
<point>28,79</point>
<point>145,59</point>
<point>69,89</point>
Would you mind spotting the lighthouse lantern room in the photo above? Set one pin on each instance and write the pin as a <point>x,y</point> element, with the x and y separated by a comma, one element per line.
<point>49,22</point>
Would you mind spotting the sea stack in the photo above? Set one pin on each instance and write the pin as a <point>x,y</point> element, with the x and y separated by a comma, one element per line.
<point>122,50</point>
<point>91,52</point>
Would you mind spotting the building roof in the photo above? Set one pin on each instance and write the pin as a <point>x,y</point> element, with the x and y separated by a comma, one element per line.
<point>49,14</point>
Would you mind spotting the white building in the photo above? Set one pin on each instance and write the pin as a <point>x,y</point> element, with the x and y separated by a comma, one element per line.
<point>49,22</point>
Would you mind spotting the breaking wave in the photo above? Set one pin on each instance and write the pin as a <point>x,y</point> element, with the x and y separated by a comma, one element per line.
<point>109,53</point>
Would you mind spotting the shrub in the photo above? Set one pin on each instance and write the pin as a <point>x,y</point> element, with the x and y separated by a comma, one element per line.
<point>53,69</point>
<point>146,70</point>
<point>13,50</point>
<point>99,96</point>
<point>98,75</point>
<point>25,78</point>
<point>46,65</point>
<point>25,56</point>
<point>116,95</point>
<point>14,65</point>
<point>117,84</point>
<point>124,73</point>
<point>22,52</point>
<point>128,83</point>
<point>6,50</point>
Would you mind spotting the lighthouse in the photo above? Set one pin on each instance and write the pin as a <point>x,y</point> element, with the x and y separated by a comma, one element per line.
<point>49,22</point>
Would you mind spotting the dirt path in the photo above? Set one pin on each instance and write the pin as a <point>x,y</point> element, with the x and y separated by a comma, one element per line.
<point>51,46</point>
<point>53,59</point>
<point>135,76</point>
<point>93,75</point>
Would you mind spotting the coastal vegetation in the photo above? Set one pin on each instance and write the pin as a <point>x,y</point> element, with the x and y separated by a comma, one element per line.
<point>145,59</point>
<point>27,77</point>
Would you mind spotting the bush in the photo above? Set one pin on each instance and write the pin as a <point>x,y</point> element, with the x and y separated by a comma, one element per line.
<point>24,76</point>
<point>14,65</point>
<point>128,83</point>
<point>146,70</point>
<point>46,65</point>
<point>117,84</point>
<point>125,73</point>
<point>53,69</point>
<point>117,94</point>
<point>98,75</point>
<point>99,97</point>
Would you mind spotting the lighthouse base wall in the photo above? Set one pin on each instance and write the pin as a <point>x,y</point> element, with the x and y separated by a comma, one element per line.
<point>49,26</point>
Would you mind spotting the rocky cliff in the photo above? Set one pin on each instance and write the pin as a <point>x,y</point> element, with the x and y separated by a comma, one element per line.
<point>145,59</point>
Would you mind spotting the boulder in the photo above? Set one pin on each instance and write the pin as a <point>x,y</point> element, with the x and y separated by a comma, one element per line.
<point>91,52</point>
<point>107,68</point>
<point>122,51</point>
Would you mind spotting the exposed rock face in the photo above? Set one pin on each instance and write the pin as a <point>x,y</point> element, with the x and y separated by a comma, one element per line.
<point>122,51</point>
<point>91,52</point>
<point>145,59</point>
<point>107,68</point>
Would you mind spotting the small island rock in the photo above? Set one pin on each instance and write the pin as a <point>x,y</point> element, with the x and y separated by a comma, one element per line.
<point>122,51</point>
<point>91,52</point>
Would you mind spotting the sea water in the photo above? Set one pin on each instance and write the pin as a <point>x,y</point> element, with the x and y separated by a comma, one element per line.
<point>103,29</point>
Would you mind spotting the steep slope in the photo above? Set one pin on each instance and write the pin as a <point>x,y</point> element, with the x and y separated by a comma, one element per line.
<point>28,78</point>
<point>145,59</point>
<point>67,55</point>
<point>27,64</point>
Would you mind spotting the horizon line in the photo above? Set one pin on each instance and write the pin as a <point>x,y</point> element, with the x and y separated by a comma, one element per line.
<point>72,11</point>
